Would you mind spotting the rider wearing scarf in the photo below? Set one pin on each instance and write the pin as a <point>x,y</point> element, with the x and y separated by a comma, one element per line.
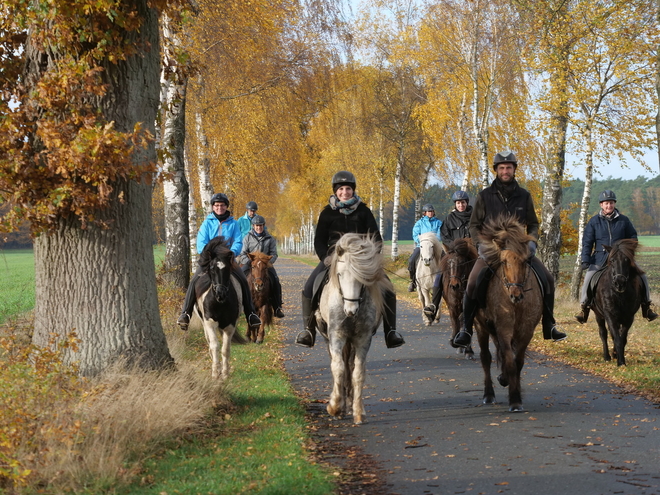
<point>604,229</point>
<point>345,213</point>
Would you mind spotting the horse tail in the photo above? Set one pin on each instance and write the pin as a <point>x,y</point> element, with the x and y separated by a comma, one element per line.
<point>238,338</point>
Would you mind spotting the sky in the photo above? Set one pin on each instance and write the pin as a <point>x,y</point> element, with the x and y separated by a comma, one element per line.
<point>615,169</point>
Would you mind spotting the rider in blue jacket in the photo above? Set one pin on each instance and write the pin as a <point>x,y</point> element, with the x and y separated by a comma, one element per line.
<point>219,222</point>
<point>428,223</point>
<point>604,229</point>
<point>245,222</point>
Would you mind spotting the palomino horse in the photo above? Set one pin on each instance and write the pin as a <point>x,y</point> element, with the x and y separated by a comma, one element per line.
<point>430,252</point>
<point>260,288</point>
<point>351,306</point>
<point>219,304</point>
<point>514,305</point>
<point>618,297</point>
<point>456,267</point>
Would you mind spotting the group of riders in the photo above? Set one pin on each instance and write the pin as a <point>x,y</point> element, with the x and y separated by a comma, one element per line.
<point>345,212</point>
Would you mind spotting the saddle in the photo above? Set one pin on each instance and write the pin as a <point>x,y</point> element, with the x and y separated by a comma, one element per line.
<point>591,288</point>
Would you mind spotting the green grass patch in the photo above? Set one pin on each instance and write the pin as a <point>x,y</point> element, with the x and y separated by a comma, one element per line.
<point>16,282</point>
<point>257,448</point>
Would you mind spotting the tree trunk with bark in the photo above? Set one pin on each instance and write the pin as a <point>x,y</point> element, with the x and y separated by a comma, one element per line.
<point>101,283</point>
<point>576,279</point>
<point>395,207</point>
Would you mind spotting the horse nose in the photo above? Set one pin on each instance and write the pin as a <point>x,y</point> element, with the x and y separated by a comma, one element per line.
<point>515,294</point>
<point>351,308</point>
<point>619,283</point>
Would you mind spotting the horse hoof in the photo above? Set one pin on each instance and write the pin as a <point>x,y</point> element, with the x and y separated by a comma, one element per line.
<point>489,400</point>
<point>516,408</point>
<point>469,356</point>
<point>503,381</point>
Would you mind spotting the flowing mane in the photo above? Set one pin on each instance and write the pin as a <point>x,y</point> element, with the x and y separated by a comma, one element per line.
<point>435,242</point>
<point>363,258</point>
<point>503,233</point>
<point>627,248</point>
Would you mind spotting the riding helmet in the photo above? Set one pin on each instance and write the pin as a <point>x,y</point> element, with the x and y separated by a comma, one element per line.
<point>258,220</point>
<point>505,157</point>
<point>607,195</point>
<point>343,178</point>
<point>428,207</point>
<point>251,206</point>
<point>220,198</point>
<point>460,196</point>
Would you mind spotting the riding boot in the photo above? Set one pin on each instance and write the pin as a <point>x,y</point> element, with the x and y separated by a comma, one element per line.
<point>432,310</point>
<point>392,337</point>
<point>583,315</point>
<point>188,305</point>
<point>464,337</point>
<point>548,323</point>
<point>307,337</point>
<point>276,296</point>
<point>647,312</point>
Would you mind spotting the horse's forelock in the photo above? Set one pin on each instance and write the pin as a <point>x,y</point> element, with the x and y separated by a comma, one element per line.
<point>503,232</point>
<point>435,242</point>
<point>362,257</point>
<point>627,248</point>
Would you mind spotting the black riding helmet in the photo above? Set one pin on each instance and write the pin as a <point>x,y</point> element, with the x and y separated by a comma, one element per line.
<point>220,198</point>
<point>505,157</point>
<point>343,178</point>
<point>460,196</point>
<point>607,195</point>
<point>428,207</point>
<point>251,206</point>
<point>258,220</point>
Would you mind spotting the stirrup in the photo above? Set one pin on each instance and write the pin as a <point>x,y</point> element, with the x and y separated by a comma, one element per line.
<point>183,321</point>
<point>463,339</point>
<point>557,335</point>
<point>306,338</point>
<point>648,313</point>
<point>253,320</point>
<point>412,286</point>
<point>393,339</point>
<point>429,310</point>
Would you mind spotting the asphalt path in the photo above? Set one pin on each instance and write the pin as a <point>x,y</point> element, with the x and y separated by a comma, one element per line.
<point>427,431</point>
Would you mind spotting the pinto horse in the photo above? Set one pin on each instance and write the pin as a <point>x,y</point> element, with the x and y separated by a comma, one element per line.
<point>259,282</point>
<point>514,305</point>
<point>456,266</point>
<point>617,297</point>
<point>430,253</point>
<point>219,302</point>
<point>350,311</point>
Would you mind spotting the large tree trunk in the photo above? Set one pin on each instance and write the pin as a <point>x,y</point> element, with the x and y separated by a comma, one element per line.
<point>395,207</point>
<point>102,283</point>
<point>176,190</point>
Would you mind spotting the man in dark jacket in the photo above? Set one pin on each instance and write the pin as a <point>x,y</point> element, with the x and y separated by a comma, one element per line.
<point>604,229</point>
<point>505,197</point>
<point>455,226</point>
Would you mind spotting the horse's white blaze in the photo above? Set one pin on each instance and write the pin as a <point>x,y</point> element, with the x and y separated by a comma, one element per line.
<point>220,264</point>
<point>351,289</point>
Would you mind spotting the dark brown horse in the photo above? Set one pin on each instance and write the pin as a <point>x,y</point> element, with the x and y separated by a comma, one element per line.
<point>259,282</point>
<point>618,297</point>
<point>456,266</point>
<point>514,305</point>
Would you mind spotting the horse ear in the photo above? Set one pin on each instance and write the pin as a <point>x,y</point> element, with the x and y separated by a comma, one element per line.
<point>607,248</point>
<point>340,250</point>
<point>251,256</point>
<point>445,248</point>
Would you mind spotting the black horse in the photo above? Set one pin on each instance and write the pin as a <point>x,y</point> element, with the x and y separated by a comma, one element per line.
<point>218,301</point>
<point>618,296</point>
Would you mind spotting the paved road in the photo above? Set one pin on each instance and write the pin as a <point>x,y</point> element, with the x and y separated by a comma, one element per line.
<point>428,433</point>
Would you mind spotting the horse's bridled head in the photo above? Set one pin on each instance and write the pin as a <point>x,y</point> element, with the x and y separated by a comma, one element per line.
<point>220,292</point>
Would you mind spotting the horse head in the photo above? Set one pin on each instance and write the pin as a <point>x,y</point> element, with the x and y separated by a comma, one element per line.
<point>514,273</point>
<point>259,269</point>
<point>621,261</point>
<point>220,273</point>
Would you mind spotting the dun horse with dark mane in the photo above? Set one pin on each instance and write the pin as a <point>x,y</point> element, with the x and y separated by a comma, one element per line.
<point>513,306</point>
<point>617,297</point>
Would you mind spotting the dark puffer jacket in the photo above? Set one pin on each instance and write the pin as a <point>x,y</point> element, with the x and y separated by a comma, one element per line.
<point>604,231</point>
<point>333,224</point>
<point>456,225</point>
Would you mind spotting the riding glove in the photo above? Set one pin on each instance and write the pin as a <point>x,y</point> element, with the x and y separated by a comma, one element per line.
<point>532,248</point>
<point>585,265</point>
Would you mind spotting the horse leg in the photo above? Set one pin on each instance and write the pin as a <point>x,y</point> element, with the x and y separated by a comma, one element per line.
<point>262,328</point>
<point>602,331</point>
<point>211,335</point>
<point>621,345</point>
<point>510,372</point>
<point>227,334</point>
<point>359,373</point>
<point>486,361</point>
<point>336,404</point>
<point>613,326</point>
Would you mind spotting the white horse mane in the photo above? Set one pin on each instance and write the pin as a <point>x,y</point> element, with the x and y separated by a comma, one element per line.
<point>435,242</point>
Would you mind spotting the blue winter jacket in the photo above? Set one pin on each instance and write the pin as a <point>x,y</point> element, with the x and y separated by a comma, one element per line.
<point>245,224</point>
<point>603,231</point>
<point>427,224</point>
<point>211,228</point>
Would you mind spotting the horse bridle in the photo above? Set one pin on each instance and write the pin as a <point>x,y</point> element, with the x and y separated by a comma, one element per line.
<point>432,250</point>
<point>341,292</point>
<point>508,284</point>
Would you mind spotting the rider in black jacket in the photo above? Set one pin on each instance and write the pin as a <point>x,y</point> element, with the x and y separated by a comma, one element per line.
<point>603,229</point>
<point>505,197</point>
<point>455,226</point>
<point>345,213</point>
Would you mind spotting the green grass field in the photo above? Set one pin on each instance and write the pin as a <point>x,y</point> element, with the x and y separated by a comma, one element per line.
<point>16,282</point>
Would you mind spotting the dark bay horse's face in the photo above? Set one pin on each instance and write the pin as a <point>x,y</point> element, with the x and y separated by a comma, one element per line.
<point>220,273</point>
<point>457,272</point>
<point>515,271</point>
<point>620,272</point>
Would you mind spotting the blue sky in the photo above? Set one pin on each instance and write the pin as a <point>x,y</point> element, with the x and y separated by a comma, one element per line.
<point>617,171</point>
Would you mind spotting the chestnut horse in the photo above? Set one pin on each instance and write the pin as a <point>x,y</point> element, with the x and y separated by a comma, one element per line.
<point>219,302</point>
<point>351,309</point>
<point>514,305</point>
<point>617,297</point>
<point>259,282</point>
<point>456,266</point>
